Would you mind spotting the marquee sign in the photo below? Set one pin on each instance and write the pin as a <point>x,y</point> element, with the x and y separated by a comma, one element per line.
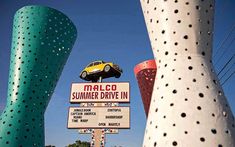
<point>99,117</point>
<point>100,92</point>
<point>106,131</point>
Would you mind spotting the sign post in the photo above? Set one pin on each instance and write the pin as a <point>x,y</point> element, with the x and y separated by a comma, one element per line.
<point>99,137</point>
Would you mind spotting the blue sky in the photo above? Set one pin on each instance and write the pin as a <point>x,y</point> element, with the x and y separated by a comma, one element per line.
<point>111,30</point>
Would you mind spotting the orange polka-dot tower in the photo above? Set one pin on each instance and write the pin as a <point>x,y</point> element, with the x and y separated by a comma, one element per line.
<point>145,73</point>
<point>188,107</point>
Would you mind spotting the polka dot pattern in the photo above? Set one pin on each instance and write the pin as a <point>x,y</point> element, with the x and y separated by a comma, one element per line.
<point>42,41</point>
<point>188,107</point>
<point>145,73</point>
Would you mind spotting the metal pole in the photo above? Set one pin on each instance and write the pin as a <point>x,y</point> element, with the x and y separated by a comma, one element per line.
<point>97,133</point>
<point>100,80</point>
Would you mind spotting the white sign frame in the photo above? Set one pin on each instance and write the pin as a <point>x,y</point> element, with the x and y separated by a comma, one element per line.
<point>114,92</point>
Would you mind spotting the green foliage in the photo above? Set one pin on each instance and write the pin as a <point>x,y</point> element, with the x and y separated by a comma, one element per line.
<point>79,143</point>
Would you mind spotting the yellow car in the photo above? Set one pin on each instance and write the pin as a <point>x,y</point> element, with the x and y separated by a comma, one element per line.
<point>97,69</point>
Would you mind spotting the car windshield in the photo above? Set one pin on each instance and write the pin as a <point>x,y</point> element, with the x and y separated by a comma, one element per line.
<point>91,64</point>
<point>97,63</point>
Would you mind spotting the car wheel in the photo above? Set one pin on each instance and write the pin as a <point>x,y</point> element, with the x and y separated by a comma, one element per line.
<point>84,74</point>
<point>107,68</point>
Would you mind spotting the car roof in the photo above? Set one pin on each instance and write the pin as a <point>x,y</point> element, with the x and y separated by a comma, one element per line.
<point>95,61</point>
<point>98,61</point>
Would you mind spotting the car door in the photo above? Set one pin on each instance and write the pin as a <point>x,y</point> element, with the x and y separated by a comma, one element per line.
<point>96,66</point>
<point>89,68</point>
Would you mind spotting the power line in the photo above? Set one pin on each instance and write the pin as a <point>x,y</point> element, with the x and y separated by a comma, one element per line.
<point>224,40</point>
<point>226,72</point>
<point>226,64</point>
<point>219,47</point>
<point>232,74</point>
<point>220,57</point>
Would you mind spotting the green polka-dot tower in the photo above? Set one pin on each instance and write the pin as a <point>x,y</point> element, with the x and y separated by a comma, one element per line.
<point>42,41</point>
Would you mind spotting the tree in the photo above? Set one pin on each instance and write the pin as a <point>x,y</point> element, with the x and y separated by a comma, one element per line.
<point>79,143</point>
